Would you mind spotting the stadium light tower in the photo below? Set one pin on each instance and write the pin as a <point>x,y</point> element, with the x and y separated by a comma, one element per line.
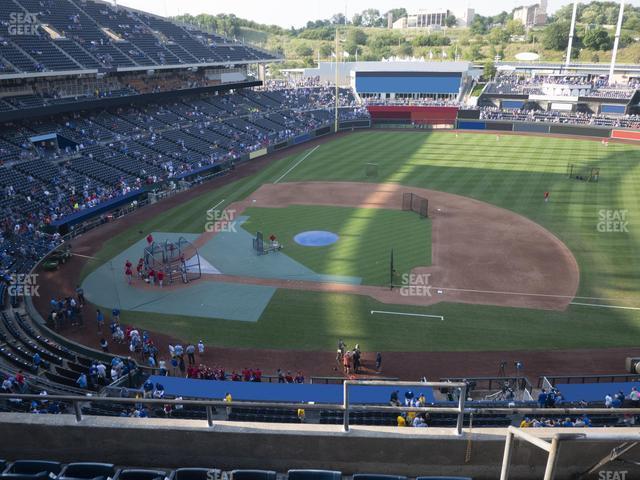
<point>571,33</point>
<point>616,42</point>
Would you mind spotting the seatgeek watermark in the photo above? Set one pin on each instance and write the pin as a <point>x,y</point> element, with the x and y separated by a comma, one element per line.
<point>613,221</point>
<point>415,285</point>
<point>217,474</point>
<point>221,221</point>
<point>22,24</point>
<point>613,474</point>
<point>24,285</point>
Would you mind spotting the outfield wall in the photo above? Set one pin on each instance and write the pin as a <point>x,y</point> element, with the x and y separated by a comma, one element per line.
<point>625,135</point>
<point>413,114</point>
<point>525,127</point>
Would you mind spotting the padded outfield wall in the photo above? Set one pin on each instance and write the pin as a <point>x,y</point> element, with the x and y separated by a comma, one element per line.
<point>526,127</point>
<point>408,114</point>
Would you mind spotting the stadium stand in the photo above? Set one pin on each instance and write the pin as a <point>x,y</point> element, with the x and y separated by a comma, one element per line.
<point>75,36</point>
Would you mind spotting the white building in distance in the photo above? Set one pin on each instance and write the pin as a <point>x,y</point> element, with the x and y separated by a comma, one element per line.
<point>532,15</point>
<point>434,18</point>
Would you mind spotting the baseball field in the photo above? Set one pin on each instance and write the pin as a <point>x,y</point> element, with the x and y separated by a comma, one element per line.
<point>593,227</point>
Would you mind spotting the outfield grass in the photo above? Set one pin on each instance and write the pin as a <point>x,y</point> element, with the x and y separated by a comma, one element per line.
<point>367,236</point>
<point>513,173</point>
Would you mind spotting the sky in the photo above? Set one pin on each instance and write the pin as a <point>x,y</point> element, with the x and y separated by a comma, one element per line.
<point>296,13</point>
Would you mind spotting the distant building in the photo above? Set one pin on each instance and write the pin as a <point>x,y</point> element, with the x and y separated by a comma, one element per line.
<point>435,18</point>
<point>533,15</point>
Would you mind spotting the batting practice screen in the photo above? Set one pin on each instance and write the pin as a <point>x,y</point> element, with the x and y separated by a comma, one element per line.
<point>415,203</point>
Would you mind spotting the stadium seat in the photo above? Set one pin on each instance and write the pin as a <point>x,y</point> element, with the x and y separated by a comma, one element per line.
<point>89,470</point>
<point>192,474</point>
<point>33,467</point>
<point>140,474</point>
<point>373,476</point>
<point>314,475</point>
<point>444,478</point>
<point>253,475</point>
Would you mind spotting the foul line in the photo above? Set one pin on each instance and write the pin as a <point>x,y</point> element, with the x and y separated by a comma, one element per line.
<point>216,206</point>
<point>297,163</point>
<point>407,314</point>
<point>605,306</point>
<point>524,294</point>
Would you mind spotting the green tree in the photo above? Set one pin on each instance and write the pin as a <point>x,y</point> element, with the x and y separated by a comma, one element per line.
<point>396,13</point>
<point>497,35</point>
<point>404,50</point>
<point>451,20</point>
<point>357,36</point>
<point>325,50</point>
<point>556,36</point>
<point>472,53</point>
<point>338,19</point>
<point>370,17</point>
<point>597,39</point>
<point>304,50</point>
<point>514,27</point>
<point>479,25</point>
<point>489,70</point>
<point>356,20</point>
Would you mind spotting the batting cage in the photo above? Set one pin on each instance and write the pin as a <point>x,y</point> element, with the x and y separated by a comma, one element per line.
<point>262,248</point>
<point>415,203</point>
<point>583,173</point>
<point>180,261</point>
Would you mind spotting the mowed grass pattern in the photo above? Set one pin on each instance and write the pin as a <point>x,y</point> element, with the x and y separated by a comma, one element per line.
<point>512,172</point>
<point>367,236</point>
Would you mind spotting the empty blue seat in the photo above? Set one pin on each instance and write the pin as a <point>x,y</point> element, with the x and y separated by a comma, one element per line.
<point>314,475</point>
<point>88,470</point>
<point>444,478</point>
<point>253,475</point>
<point>33,467</point>
<point>373,476</point>
<point>140,474</point>
<point>193,474</point>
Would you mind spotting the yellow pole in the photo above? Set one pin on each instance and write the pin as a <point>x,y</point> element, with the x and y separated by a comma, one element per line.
<point>337,77</point>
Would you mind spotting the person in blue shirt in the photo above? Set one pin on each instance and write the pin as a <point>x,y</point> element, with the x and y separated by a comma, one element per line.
<point>82,381</point>
<point>148,388</point>
<point>542,398</point>
<point>36,359</point>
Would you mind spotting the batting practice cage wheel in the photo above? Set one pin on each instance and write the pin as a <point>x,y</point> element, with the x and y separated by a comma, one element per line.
<point>371,170</point>
<point>179,261</point>
<point>415,203</point>
<point>583,173</point>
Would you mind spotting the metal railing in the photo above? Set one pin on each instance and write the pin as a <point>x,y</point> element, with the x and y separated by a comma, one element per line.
<point>553,447</point>
<point>579,379</point>
<point>77,401</point>
<point>462,396</point>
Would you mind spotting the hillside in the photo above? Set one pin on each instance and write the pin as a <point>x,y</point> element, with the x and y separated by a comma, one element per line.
<point>486,39</point>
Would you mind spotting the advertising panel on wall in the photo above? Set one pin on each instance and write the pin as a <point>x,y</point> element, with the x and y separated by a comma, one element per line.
<point>469,114</point>
<point>257,153</point>
<point>414,114</point>
<point>468,125</point>
<point>585,131</point>
<point>502,126</point>
<point>626,135</point>
<point>302,138</point>
<point>531,127</point>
